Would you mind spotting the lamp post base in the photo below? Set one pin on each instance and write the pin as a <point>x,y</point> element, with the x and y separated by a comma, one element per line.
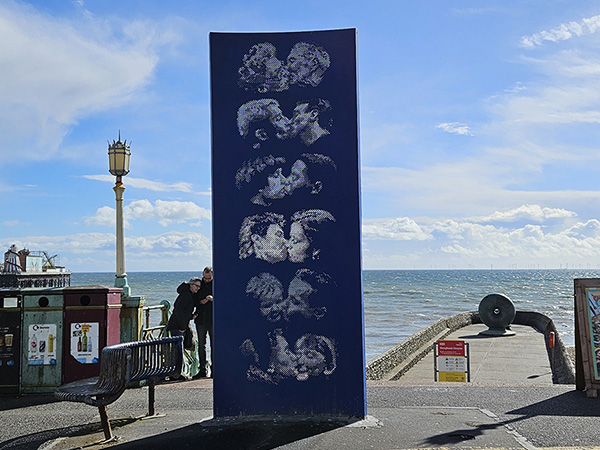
<point>121,282</point>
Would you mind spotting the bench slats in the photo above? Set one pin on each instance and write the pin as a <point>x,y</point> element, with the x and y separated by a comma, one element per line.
<point>122,364</point>
<point>151,361</point>
<point>115,368</point>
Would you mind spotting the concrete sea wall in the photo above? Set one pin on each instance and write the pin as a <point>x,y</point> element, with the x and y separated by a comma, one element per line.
<point>392,364</point>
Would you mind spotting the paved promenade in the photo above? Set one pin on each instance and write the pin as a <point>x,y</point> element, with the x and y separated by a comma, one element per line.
<point>510,403</point>
<point>520,360</point>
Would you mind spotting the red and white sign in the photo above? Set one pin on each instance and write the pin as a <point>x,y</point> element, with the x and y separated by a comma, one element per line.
<point>451,361</point>
<point>451,348</point>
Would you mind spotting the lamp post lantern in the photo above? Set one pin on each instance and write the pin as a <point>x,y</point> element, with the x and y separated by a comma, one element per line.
<point>118,157</point>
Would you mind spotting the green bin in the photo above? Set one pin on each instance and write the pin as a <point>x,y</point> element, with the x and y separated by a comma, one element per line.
<point>41,362</point>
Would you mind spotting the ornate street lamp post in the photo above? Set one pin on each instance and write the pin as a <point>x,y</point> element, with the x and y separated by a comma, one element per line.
<point>118,157</point>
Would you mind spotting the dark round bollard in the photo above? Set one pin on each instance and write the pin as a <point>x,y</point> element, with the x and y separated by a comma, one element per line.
<point>497,311</point>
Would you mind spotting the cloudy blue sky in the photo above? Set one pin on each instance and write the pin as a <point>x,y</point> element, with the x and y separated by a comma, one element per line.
<point>480,137</point>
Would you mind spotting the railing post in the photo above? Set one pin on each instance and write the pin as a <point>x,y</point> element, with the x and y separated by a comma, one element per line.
<point>147,331</point>
<point>166,306</point>
<point>132,318</point>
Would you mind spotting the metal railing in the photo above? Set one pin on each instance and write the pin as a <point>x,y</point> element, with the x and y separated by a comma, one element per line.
<point>150,331</point>
<point>39,280</point>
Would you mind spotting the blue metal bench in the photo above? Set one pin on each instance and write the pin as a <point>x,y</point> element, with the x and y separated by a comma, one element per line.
<point>121,365</point>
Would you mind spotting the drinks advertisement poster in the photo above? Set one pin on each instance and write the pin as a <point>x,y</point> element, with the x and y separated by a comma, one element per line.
<point>7,349</point>
<point>41,344</point>
<point>593,301</point>
<point>84,342</point>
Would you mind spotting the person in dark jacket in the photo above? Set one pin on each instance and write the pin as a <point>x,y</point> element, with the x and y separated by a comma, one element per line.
<point>204,320</point>
<point>183,309</point>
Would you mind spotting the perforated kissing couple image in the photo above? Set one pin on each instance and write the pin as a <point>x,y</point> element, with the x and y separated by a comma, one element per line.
<point>262,71</point>
<point>311,355</point>
<point>263,236</point>
<point>279,185</point>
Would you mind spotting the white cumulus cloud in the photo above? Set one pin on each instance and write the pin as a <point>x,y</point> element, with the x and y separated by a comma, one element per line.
<point>400,228</point>
<point>518,236</point>
<point>164,212</point>
<point>589,229</point>
<point>104,217</point>
<point>536,213</point>
<point>175,250</point>
<point>527,243</point>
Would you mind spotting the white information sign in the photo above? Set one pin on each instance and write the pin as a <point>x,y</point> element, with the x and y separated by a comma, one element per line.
<point>84,342</point>
<point>451,364</point>
<point>41,344</point>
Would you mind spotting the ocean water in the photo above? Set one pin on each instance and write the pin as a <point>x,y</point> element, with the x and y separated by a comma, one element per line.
<point>398,303</point>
